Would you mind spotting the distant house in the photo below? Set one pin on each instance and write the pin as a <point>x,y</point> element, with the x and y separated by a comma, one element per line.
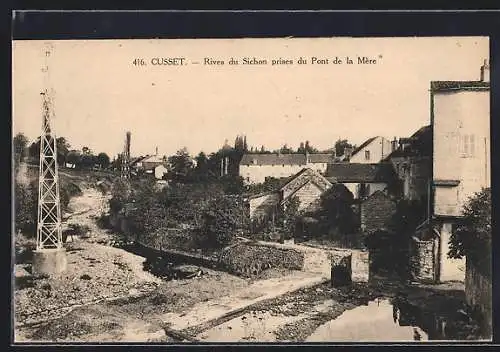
<point>461,166</point>
<point>151,162</point>
<point>376,212</point>
<point>135,164</point>
<point>254,168</point>
<point>362,179</point>
<point>160,171</point>
<point>412,162</point>
<point>307,186</point>
<point>371,151</point>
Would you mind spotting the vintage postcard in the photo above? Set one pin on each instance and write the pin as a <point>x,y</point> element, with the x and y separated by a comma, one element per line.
<point>252,190</point>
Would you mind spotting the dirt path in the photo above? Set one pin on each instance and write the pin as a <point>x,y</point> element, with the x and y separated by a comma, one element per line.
<point>253,293</point>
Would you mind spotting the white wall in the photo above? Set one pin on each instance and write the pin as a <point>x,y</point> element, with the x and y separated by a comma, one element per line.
<point>449,269</point>
<point>379,148</point>
<point>261,206</point>
<point>160,171</point>
<point>456,115</point>
<point>258,173</point>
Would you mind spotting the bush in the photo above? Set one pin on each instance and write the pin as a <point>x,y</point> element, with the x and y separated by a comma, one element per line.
<point>472,236</point>
<point>26,207</point>
<point>337,210</point>
<point>220,222</point>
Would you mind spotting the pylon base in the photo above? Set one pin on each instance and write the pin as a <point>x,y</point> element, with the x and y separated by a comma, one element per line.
<point>49,261</point>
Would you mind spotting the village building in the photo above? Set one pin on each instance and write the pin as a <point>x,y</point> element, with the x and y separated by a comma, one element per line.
<point>160,171</point>
<point>254,168</point>
<point>372,151</point>
<point>363,180</point>
<point>412,162</point>
<point>460,123</point>
<point>306,186</point>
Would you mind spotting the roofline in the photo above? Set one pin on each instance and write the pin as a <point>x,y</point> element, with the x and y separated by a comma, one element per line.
<point>456,86</point>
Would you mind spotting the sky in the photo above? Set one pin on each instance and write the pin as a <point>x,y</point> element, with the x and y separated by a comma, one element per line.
<point>99,93</point>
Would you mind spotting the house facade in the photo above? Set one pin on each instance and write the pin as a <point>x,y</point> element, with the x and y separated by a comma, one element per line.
<point>460,120</point>
<point>160,171</point>
<point>412,162</point>
<point>361,179</point>
<point>307,186</point>
<point>254,168</point>
<point>371,151</point>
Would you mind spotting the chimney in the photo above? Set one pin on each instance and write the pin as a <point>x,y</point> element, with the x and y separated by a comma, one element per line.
<point>347,152</point>
<point>394,144</point>
<point>485,71</point>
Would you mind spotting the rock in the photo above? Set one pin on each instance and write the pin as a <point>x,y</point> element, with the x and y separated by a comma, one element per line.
<point>134,292</point>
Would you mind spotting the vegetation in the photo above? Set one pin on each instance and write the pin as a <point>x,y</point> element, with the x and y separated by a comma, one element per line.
<point>394,241</point>
<point>206,208</point>
<point>20,142</point>
<point>472,237</point>
<point>82,159</point>
<point>337,208</point>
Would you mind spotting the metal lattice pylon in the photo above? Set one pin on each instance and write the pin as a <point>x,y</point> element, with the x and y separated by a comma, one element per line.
<point>49,234</point>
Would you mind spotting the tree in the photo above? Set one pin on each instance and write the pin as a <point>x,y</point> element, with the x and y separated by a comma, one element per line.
<point>180,165</point>
<point>62,149</point>
<point>301,148</point>
<point>288,216</point>
<point>103,160</point>
<point>285,149</point>
<point>309,149</point>
<point>221,221</point>
<point>74,157</point>
<point>86,151</point>
<point>341,145</point>
<point>472,236</point>
<point>26,207</point>
<point>337,203</point>
<point>20,142</point>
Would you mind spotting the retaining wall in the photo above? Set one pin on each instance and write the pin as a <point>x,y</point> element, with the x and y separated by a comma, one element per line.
<point>250,259</point>
<point>422,260</point>
<point>478,294</point>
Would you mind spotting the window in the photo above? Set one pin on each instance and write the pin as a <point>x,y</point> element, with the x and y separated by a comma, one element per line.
<point>367,155</point>
<point>467,147</point>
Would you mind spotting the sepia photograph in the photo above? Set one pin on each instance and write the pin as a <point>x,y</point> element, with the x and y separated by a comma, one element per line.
<point>276,190</point>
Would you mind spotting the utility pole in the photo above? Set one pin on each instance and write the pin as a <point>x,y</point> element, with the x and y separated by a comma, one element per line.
<point>49,256</point>
<point>125,167</point>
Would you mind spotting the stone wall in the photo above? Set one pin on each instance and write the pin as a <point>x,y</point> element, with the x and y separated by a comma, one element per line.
<point>356,264</point>
<point>422,260</point>
<point>478,294</point>
<point>376,212</point>
<point>250,259</point>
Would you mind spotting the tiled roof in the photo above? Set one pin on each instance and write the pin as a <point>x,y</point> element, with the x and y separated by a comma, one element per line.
<point>273,159</point>
<point>439,86</point>
<point>420,144</point>
<point>152,159</point>
<point>321,158</point>
<point>357,172</point>
<point>364,144</point>
<point>286,159</point>
<point>137,159</point>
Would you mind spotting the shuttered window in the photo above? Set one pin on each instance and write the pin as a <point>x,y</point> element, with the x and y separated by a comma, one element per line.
<point>467,146</point>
